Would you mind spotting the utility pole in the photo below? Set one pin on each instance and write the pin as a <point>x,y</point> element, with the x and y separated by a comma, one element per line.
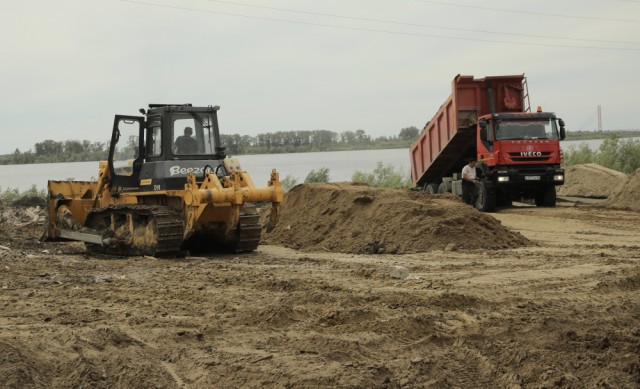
<point>599,118</point>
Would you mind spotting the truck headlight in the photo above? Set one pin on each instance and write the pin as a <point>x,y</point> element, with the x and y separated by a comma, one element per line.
<point>558,177</point>
<point>503,179</point>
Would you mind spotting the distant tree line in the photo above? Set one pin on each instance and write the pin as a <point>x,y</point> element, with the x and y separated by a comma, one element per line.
<point>315,140</point>
<point>58,151</point>
<point>270,142</point>
<point>266,143</point>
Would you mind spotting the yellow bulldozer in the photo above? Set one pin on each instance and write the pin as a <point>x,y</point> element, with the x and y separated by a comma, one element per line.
<point>167,188</point>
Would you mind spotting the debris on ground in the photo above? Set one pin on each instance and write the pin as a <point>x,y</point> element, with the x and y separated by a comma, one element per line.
<point>20,225</point>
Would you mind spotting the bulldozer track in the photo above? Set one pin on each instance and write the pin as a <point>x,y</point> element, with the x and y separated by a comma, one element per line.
<point>248,231</point>
<point>138,230</point>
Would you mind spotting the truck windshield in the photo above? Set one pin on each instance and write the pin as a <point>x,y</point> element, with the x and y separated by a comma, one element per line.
<point>526,129</point>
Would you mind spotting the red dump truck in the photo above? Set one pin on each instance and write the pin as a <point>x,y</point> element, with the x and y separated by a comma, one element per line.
<point>490,120</point>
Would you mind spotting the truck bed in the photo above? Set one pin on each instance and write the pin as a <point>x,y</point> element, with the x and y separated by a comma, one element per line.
<point>450,136</point>
<point>461,145</point>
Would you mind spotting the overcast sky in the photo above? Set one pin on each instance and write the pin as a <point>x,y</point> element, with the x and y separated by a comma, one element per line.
<point>68,66</point>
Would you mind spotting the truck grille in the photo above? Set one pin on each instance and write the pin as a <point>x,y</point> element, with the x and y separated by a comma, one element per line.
<point>530,157</point>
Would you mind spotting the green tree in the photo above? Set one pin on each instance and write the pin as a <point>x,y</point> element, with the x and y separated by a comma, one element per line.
<point>73,147</point>
<point>583,154</point>
<point>288,182</point>
<point>321,175</point>
<point>348,137</point>
<point>362,137</point>
<point>48,147</point>
<point>629,155</point>
<point>608,153</point>
<point>409,133</point>
<point>622,155</point>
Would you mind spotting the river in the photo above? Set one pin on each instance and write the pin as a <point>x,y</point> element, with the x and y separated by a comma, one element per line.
<point>341,164</point>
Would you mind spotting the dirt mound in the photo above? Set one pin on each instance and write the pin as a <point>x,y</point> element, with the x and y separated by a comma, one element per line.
<point>353,218</point>
<point>591,180</point>
<point>628,196</point>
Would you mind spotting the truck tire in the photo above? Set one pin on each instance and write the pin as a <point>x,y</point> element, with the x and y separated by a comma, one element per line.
<point>431,188</point>
<point>486,201</point>
<point>546,197</point>
<point>442,188</point>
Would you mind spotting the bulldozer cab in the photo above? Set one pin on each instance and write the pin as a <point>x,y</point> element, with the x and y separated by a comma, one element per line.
<point>159,149</point>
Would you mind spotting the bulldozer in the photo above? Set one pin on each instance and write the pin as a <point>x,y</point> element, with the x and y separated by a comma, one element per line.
<point>166,189</point>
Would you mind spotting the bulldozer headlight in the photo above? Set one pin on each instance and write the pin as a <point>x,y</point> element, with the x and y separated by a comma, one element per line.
<point>503,179</point>
<point>558,177</point>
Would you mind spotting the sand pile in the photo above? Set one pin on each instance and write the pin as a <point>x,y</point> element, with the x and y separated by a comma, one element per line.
<point>592,180</point>
<point>353,218</point>
<point>628,197</point>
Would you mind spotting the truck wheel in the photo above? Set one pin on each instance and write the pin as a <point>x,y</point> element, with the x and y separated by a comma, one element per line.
<point>486,201</point>
<point>442,188</point>
<point>546,197</point>
<point>432,188</point>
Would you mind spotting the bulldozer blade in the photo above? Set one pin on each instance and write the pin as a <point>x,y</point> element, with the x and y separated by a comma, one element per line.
<point>94,238</point>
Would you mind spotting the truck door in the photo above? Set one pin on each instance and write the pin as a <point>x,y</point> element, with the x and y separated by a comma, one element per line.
<point>126,152</point>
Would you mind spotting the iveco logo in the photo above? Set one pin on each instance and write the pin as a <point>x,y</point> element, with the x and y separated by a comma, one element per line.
<point>529,148</point>
<point>531,154</point>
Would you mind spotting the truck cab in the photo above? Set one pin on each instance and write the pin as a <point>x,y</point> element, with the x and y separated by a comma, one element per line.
<point>519,153</point>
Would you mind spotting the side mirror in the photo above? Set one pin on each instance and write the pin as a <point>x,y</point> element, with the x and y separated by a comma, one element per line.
<point>483,134</point>
<point>483,130</point>
<point>563,132</point>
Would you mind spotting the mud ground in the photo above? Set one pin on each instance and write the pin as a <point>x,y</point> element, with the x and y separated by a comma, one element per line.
<point>564,312</point>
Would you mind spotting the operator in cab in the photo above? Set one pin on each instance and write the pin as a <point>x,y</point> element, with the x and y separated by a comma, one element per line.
<point>185,144</point>
<point>469,190</point>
